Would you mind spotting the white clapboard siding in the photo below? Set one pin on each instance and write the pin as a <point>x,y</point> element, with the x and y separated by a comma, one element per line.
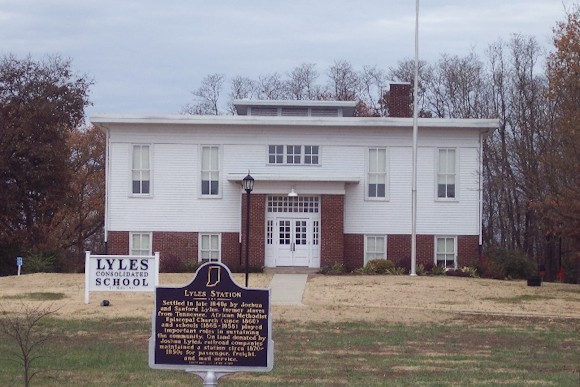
<point>176,203</point>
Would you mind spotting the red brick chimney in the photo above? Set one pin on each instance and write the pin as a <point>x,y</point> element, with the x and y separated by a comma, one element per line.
<point>400,100</point>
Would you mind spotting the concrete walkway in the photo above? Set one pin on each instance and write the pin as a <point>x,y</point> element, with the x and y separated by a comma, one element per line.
<point>288,289</point>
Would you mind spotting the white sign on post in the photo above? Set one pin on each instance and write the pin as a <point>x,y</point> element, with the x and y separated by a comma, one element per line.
<point>120,273</point>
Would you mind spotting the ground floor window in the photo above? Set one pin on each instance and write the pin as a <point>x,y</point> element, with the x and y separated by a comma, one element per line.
<point>140,243</point>
<point>446,251</point>
<point>209,248</point>
<point>375,247</point>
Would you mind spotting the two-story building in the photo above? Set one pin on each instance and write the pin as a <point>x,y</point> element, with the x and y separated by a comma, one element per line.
<point>329,187</point>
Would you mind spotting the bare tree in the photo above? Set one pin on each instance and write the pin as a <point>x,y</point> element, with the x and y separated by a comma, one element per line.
<point>241,88</point>
<point>373,86</point>
<point>343,81</point>
<point>301,84</point>
<point>271,86</point>
<point>207,96</point>
<point>23,329</point>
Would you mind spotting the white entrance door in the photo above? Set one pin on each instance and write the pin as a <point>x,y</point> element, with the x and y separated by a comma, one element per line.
<point>293,241</point>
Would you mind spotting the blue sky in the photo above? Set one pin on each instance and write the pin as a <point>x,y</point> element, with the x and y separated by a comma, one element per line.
<point>146,57</point>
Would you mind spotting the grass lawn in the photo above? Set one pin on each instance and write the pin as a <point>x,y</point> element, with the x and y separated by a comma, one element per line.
<point>515,352</point>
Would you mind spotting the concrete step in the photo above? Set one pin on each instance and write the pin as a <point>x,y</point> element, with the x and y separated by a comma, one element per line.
<point>290,270</point>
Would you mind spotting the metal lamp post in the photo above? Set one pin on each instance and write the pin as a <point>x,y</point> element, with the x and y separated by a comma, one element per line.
<point>248,185</point>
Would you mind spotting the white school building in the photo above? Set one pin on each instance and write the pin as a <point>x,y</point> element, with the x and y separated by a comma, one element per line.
<point>329,188</point>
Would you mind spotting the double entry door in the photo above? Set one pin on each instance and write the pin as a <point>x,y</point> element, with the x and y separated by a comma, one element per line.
<point>294,241</point>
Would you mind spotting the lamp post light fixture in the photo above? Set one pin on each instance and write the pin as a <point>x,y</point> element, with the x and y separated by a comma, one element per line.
<point>248,185</point>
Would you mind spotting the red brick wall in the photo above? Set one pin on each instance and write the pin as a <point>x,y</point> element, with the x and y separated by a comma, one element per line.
<point>467,250</point>
<point>332,229</point>
<point>182,245</point>
<point>118,243</point>
<point>231,249</point>
<point>354,250</point>
<point>257,231</point>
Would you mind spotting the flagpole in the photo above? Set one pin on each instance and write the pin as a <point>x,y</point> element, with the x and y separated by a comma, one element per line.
<point>415,133</point>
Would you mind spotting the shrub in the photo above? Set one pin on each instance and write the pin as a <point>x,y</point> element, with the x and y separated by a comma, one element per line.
<point>456,273</point>
<point>428,267</point>
<point>398,270</point>
<point>335,269</point>
<point>173,264</point>
<point>39,262</point>
<point>378,266</point>
<point>510,264</point>
<point>471,271</point>
<point>420,269</point>
<point>437,270</point>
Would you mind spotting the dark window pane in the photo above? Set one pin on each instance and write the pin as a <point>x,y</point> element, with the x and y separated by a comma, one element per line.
<point>136,186</point>
<point>372,190</point>
<point>205,187</point>
<point>145,186</point>
<point>380,190</point>
<point>451,190</point>
<point>214,187</point>
<point>441,190</point>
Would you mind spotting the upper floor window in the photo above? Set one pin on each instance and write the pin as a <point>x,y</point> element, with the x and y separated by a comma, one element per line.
<point>377,173</point>
<point>209,248</point>
<point>293,154</point>
<point>210,170</point>
<point>311,154</point>
<point>141,170</point>
<point>140,243</point>
<point>446,175</point>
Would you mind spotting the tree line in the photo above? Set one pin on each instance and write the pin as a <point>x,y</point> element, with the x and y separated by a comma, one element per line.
<point>52,165</point>
<point>530,163</point>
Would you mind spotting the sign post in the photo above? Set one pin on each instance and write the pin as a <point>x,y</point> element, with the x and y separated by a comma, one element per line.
<point>19,263</point>
<point>212,327</point>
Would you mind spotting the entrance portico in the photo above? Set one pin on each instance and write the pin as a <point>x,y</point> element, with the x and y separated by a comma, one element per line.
<point>295,231</point>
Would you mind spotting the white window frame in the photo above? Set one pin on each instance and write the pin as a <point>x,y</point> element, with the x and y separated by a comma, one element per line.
<point>277,156</point>
<point>437,251</point>
<point>372,175</point>
<point>201,251</point>
<point>374,252</point>
<point>445,175</point>
<point>312,155</point>
<point>287,157</point>
<point>212,172</point>
<point>141,171</point>
<point>140,250</point>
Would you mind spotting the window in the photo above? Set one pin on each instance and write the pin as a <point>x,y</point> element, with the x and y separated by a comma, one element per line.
<point>140,243</point>
<point>269,231</point>
<point>209,248</point>
<point>276,154</point>
<point>375,247</point>
<point>141,170</point>
<point>315,232</point>
<point>210,170</point>
<point>293,154</point>
<point>446,174</point>
<point>377,173</point>
<point>445,252</point>
<point>311,154</point>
